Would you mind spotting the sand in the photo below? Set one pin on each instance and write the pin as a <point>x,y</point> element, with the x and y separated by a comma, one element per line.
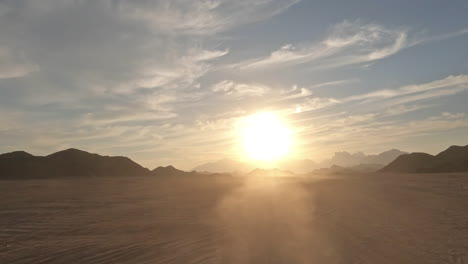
<point>351,219</point>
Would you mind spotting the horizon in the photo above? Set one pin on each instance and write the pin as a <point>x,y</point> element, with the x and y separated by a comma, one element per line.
<point>254,163</point>
<point>285,165</point>
<point>258,165</point>
<point>173,83</point>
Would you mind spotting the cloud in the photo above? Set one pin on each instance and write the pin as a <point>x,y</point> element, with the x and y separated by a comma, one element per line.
<point>333,83</point>
<point>448,115</point>
<point>315,103</point>
<point>240,89</point>
<point>346,43</point>
<point>347,132</point>
<point>397,97</point>
<point>201,17</point>
<point>295,92</point>
<point>449,35</point>
<point>455,84</point>
<point>379,110</point>
<point>404,109</point>
<point>13,64</point>
<point>180,73</point>
<point>126,118</point>
<point>300,92</point>
<point>108,69</point>
<point>97,62</point>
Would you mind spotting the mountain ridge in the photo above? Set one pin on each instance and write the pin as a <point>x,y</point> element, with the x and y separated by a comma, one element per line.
<point>170,171</point>
<point>453,159</point>
<point>347,159</point>
<point>73,162</point>
<point>301,166</point>
<point>66,163</point>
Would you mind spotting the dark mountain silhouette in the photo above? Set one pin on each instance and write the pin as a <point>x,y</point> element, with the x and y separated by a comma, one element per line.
<point>385,157</point>
<point>16,155</point>
<point>346,159</point>
<point>457,153</point>
<point>170,171</point>
<point>453,159</point>
<point>66,163</point>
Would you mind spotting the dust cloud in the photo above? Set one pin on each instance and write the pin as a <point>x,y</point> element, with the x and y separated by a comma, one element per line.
<point>269,220</point>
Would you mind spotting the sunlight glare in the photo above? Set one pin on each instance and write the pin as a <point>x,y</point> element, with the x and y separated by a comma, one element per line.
<point>265,137</point>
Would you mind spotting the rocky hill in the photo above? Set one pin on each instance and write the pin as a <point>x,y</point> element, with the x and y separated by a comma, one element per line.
<point>453,159</point>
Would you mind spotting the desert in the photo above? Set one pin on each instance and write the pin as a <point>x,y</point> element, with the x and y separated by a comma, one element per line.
<point>396,218</point>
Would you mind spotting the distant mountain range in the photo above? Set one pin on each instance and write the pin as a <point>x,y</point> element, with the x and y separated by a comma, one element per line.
<point>73,163</point>
<point>341,159</point>
<point>453,159</point>
<point>346,159</point>
<point>170,171</point>
<point>237,167</point>
<point>361,168</point>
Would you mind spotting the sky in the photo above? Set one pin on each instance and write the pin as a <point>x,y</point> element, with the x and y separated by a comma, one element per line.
<point>167,82</point>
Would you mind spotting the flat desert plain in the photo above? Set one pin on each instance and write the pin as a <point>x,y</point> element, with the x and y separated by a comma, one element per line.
<point>379,218</point>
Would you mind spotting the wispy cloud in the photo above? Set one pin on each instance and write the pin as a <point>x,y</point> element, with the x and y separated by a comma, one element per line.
<point>202,17</point>
<point>458,83</point>
<point>180,73</point>
<point>346,43</point>
<point>126,118</point>
<point>297,92</point>
<point>314,103</point>
<point>393,97</point>
<point>333,83</point>
<point>347,132</point>
<point>240,89</point>
<point>380,115</point>
<point>449,35</point>
<point>14,64</point>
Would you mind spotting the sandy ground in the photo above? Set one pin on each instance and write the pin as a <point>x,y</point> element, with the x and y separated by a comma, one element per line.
<point>356,219</point>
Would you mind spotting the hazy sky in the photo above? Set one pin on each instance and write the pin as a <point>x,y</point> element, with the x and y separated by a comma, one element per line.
<point>165,82</point>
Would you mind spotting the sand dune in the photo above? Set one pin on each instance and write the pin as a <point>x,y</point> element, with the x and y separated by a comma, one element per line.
<point>207,219</point>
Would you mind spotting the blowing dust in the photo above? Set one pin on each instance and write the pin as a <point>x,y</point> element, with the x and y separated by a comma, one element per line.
<point>269,220</point>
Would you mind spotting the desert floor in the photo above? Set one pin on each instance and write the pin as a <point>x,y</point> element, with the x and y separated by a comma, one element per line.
<point>350,219</point>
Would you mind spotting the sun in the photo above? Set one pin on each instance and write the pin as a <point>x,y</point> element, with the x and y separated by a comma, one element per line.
<point>265,137</point>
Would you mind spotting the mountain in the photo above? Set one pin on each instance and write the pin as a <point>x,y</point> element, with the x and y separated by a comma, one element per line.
<point>361,168</point>
<point>170,171</point>
<point>453,159</point>
<point>346,159</point>
<point>66,163</point>
<point>384,158</point>
<point>237,167</point>
<point>302,166</point>
<point>223,166</point>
